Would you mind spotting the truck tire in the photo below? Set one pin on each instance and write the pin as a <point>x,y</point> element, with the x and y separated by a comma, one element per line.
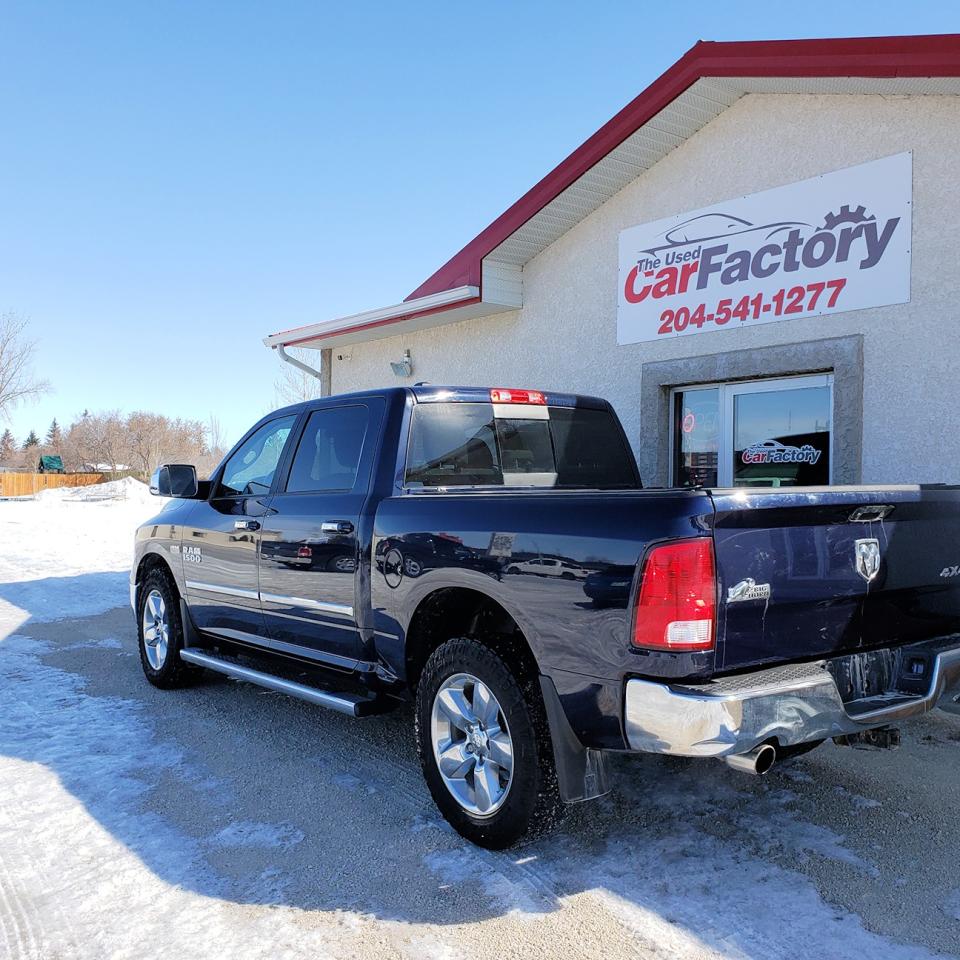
<point>484,746</point>
<point>160,633</point>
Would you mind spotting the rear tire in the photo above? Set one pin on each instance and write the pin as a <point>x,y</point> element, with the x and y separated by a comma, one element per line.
<point>160,633</point>
<point>493,789</point>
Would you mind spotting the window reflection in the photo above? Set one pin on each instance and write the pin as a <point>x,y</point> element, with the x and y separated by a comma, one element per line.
<point>773,432</point>
<point>697,419</point>
<point>782,437</point>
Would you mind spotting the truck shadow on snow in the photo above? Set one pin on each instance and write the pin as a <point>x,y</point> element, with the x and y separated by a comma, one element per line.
<point>251,797</point>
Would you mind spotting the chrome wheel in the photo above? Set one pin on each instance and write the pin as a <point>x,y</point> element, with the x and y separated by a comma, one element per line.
<point>156,629</point>
<point>472,744</point>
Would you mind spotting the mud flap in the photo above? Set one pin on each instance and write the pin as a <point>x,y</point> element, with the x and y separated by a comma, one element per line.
<point>951,703</point>
<point>582,772</point>
<point>191,638</point>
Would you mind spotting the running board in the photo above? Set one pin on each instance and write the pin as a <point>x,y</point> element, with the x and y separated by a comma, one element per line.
<point>353,705</point>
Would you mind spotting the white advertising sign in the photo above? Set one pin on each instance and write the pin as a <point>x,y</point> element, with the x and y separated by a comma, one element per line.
<point>837,242</point>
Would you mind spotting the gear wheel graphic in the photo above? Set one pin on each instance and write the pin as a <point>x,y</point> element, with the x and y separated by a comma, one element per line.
<point>846,215</point>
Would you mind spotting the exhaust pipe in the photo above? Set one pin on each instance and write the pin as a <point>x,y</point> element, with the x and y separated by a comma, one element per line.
<point>757,762</point>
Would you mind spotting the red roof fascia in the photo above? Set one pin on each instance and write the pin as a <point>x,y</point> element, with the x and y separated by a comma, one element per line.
<point>911,56</point>
<point>387,321</point>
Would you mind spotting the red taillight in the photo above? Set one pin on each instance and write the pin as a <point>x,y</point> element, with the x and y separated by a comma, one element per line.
<point>677,605</point>
<point>517,396</point>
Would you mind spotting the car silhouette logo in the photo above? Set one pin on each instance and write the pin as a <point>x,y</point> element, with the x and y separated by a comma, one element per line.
<point>717,226</point>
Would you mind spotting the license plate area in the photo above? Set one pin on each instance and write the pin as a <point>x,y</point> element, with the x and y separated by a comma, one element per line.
<point>903,670</point>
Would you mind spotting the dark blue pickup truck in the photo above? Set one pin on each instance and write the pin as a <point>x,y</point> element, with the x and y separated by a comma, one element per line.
<point>491,555</point>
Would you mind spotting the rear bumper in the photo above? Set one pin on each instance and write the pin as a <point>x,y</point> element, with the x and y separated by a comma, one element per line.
<point>789,705</point>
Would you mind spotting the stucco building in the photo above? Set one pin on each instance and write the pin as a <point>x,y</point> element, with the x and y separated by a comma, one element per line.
<point>755,261</point>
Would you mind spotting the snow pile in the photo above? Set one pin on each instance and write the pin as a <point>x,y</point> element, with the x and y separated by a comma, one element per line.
<point>67,552</point>
<point>125,489</point>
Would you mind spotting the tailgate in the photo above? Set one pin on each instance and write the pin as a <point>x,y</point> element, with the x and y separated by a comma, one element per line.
<point>816,572</point>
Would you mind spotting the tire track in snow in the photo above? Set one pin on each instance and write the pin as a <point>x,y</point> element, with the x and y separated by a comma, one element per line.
<point>20,919</point>
<point>14,850</point>
<point>406,784</point>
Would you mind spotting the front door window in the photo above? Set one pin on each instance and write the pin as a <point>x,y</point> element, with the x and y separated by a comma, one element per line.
<point>755,433</point>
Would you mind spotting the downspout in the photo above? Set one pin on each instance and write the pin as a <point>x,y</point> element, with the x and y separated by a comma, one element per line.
<point>323,374</point>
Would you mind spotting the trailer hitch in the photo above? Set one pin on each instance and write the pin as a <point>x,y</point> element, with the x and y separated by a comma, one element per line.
<point>882,738</point>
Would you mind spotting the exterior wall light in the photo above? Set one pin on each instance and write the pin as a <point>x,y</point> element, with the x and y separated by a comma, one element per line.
<point>404,366</point>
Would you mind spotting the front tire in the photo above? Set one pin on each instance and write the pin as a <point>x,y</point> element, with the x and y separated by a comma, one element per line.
<point>160,633</point>
<point>484,746</point>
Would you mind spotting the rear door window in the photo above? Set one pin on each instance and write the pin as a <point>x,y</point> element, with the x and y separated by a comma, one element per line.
<point>328,455</point>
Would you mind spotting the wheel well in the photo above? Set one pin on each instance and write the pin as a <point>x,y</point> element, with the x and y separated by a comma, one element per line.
<point>459,612</point>
<point>150,562</point>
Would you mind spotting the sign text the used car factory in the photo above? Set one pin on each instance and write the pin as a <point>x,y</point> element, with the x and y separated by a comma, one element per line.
<point>837,242</point>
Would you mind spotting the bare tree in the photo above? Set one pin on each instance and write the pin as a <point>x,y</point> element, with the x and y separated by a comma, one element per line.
<point>216,444</point>
<point>17,380</point>
<point>109,442</point>
<point>294,385</point>
<point>140,441</point>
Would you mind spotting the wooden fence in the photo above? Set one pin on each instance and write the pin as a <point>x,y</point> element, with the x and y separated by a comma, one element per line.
<point>27,484</point>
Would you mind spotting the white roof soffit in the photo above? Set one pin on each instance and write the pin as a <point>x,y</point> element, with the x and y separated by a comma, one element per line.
<point>693,109</point>
<point>501,282</point>
<point>458,304</point>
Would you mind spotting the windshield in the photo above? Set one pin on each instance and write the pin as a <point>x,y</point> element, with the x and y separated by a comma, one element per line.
<point>466,444</point>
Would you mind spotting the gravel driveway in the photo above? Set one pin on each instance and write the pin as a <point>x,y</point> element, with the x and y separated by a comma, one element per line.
<point>225,821</point>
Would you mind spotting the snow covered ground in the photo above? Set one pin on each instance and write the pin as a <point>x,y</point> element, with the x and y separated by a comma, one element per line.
<point>224,821</point>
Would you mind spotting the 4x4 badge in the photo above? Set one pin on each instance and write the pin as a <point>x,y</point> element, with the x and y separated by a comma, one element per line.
<point>867,554</point>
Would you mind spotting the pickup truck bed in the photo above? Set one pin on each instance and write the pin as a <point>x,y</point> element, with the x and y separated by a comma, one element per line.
<point>492,555</point>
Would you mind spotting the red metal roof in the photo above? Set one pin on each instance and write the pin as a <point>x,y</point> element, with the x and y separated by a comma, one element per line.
<point>912,56</point>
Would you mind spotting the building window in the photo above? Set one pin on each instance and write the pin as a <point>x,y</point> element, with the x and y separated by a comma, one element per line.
<point>774,432</point>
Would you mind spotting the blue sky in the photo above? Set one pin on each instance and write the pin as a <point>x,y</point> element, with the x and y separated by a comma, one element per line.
<point>179,179</point>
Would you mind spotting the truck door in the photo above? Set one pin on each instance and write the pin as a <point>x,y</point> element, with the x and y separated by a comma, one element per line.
<point>310,549</point>
<point>222,539</point>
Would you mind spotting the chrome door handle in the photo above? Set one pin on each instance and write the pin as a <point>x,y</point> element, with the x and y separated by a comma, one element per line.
<point>246,524</point>
<point>336,526</point>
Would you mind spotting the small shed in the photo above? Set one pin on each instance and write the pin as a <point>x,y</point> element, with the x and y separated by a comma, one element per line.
<point>52,463</point>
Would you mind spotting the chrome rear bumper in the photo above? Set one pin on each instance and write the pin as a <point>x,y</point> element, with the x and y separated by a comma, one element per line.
<point>789,705</point>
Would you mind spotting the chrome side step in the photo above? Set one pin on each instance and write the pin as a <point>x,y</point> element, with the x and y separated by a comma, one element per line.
<point>351,704</point>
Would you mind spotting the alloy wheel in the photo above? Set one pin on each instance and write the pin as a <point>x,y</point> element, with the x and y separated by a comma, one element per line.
<point>472,744</point>
<point>156,629</point>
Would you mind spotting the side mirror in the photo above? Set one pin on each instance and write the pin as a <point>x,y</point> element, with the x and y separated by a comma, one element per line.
<point>175,480</point>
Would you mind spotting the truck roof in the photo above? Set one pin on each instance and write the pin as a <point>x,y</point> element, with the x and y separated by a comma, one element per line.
<point>437,393</point>
<point>431,393</point>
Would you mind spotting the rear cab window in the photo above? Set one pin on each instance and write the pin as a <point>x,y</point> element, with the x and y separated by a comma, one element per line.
<point>461,444</point>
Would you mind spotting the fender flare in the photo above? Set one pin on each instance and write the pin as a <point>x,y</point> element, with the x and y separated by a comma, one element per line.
<point>481,583</point>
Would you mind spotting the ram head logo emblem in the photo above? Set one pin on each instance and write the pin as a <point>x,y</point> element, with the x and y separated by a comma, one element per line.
<point>867,553</point>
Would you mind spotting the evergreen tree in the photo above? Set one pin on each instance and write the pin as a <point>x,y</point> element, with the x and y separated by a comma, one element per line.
<point>54,435</point>
<point>32,441</point>
<point>7,446</point>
